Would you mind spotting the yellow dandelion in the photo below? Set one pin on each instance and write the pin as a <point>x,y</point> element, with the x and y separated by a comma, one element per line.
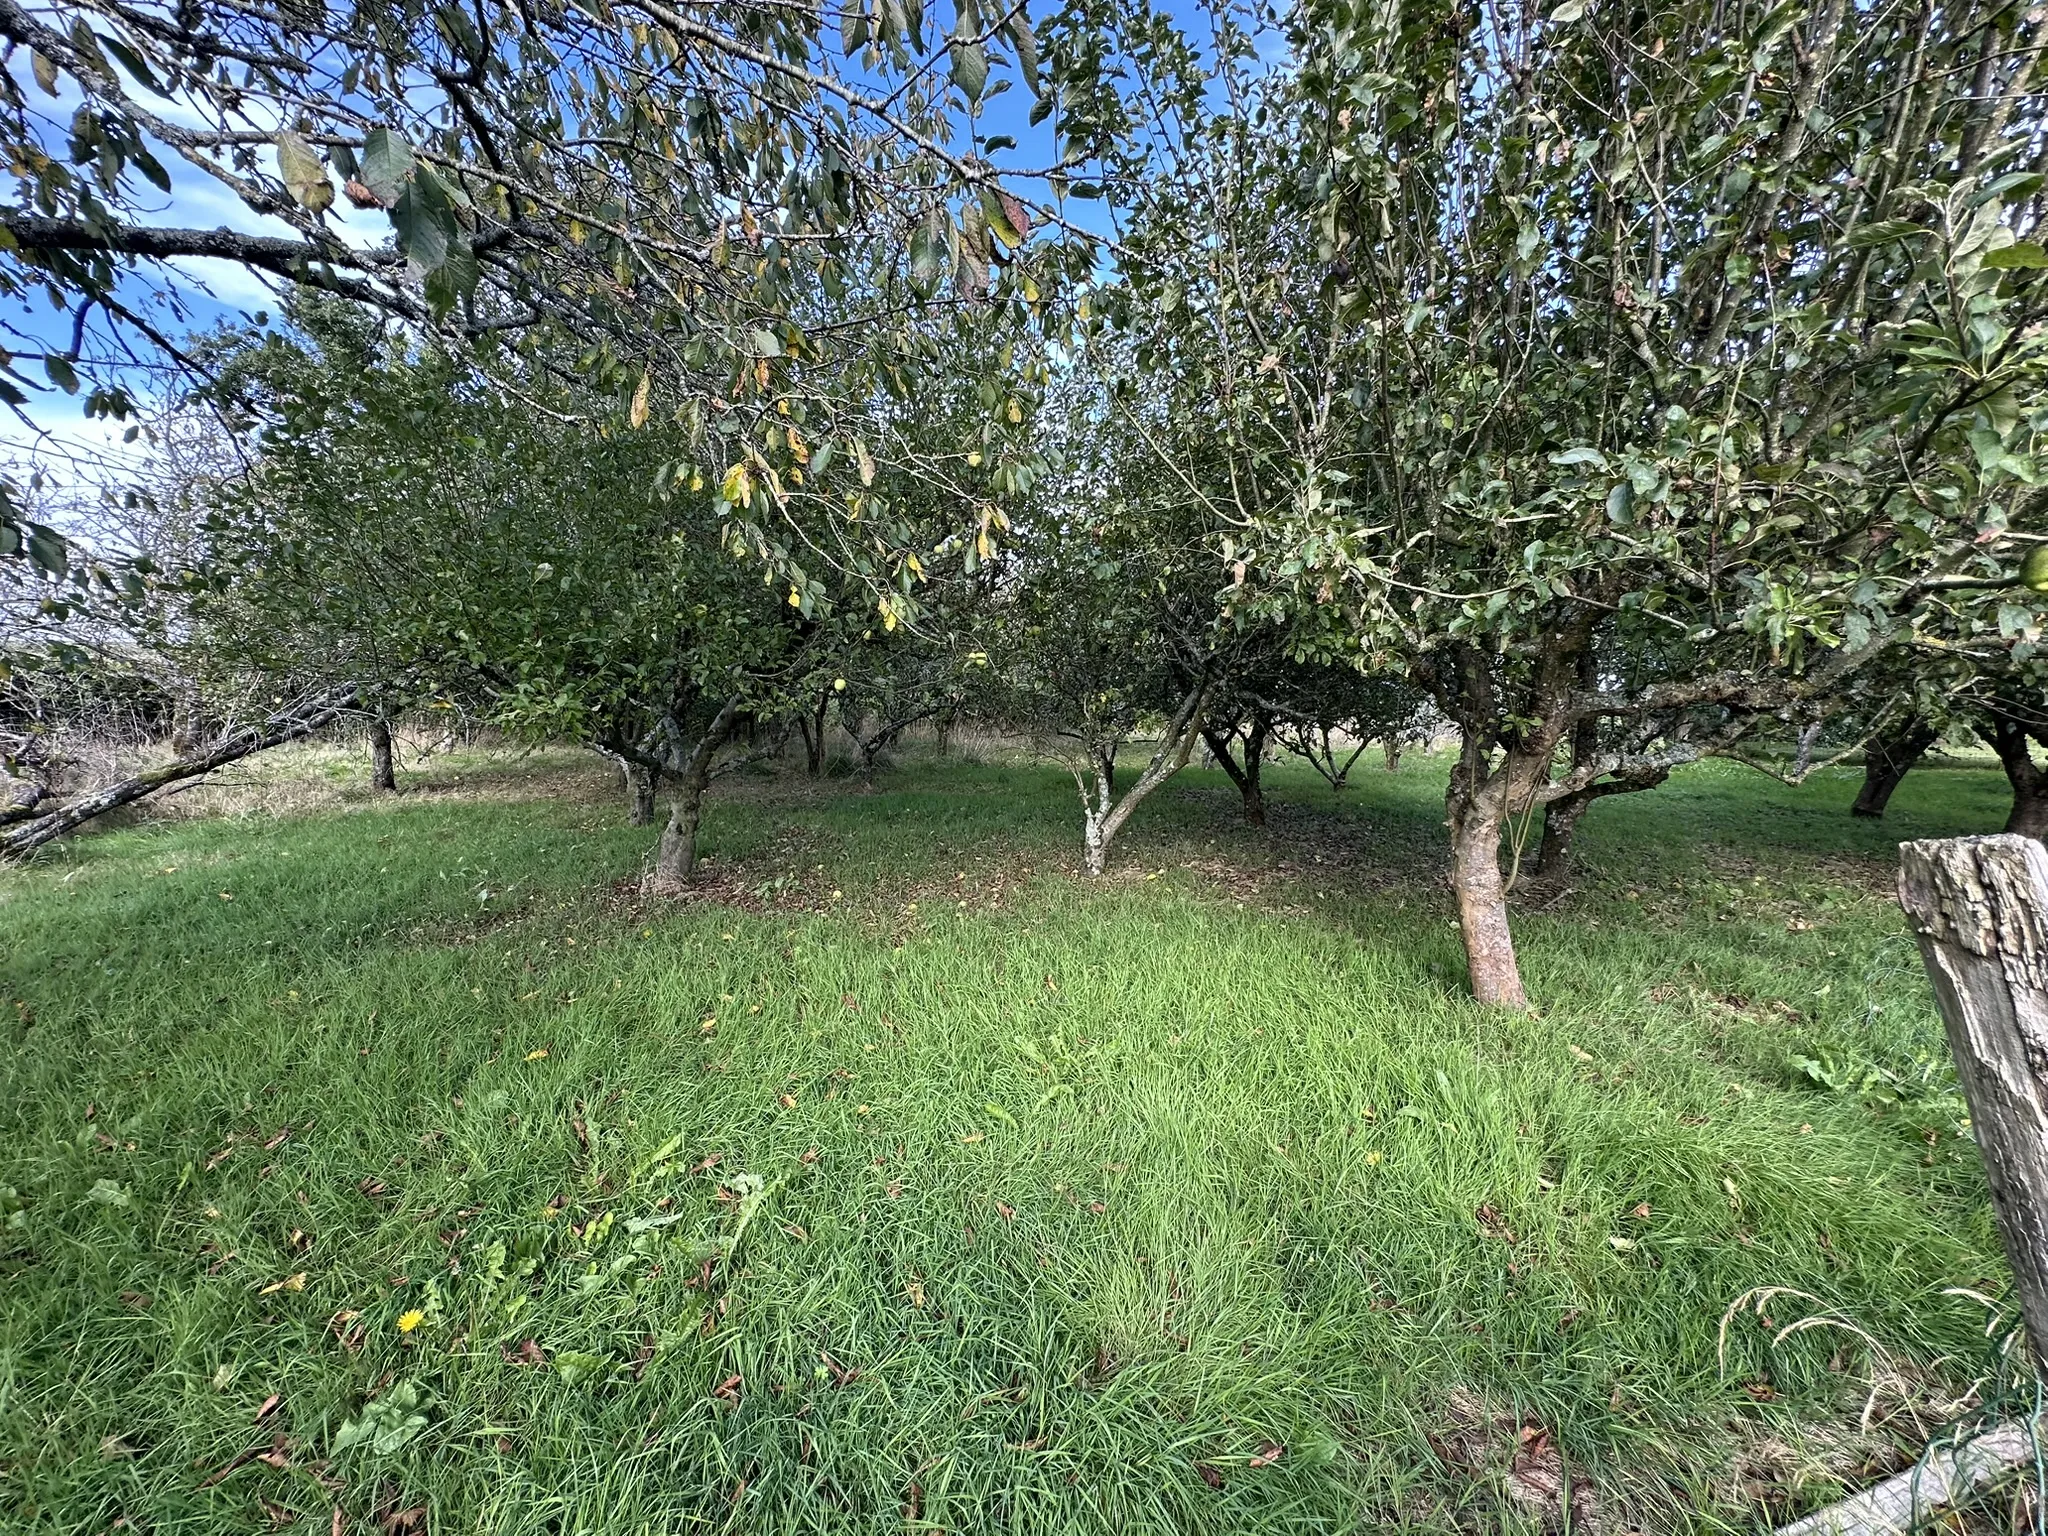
<point>407,1321</point>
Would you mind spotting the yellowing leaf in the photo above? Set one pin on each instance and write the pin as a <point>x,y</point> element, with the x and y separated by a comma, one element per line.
<point>537,1053</point>
<point>738,485</point>
<point>289,1283</point>
<point>638,414</point>
<point>865,461</point>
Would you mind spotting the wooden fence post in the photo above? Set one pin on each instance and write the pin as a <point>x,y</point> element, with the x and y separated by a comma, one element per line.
<point>1979,906</point>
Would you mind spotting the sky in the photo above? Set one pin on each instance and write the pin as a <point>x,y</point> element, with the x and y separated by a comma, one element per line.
<point>51,433</point>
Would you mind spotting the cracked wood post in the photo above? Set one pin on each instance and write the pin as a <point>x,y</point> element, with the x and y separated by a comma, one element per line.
<point>1979,906</point>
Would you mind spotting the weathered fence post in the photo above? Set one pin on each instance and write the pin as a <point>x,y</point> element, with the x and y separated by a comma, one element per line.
<point>1979,906</point>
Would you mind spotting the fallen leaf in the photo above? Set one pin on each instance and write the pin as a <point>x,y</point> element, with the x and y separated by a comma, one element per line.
<point>289,1283</point>
<point>1007,1212</point>
<point>1209,1474</point>
<point>528,1353</point>
<point>729,1389</point>
<point>268,1407</point>
<point>1271,1452</point>
<point>539,1053</point>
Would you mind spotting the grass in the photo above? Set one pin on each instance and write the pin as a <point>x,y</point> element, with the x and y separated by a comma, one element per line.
<point>904,1182</point>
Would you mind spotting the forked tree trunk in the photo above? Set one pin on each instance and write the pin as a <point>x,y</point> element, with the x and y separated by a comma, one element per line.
<point>1246,775</point>
<point>675,860</point>
<point>1102,812</point>
<point>1887,760</point>
<point>382,774</point>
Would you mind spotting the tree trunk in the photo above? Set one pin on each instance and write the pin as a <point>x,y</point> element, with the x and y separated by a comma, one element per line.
<point>942,734</point>
<point>1245,776</point>
<point>186,710</point>
<point>1102,813</point>
<point>641,783</point>
<point>1560,821</point>
<point>2011,739</point>
<point>675,861</point>
<point>1475,821</point>
<point>27,836</point>
<point>813,729</point>
<point>1094,843</point>
<point>381,774</point>
<point>1979,906</point>
<point>1393,750</point>
<point>1887,760</point>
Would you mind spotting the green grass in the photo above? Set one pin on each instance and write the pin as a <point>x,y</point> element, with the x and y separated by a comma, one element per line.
<point>1075,1198</point>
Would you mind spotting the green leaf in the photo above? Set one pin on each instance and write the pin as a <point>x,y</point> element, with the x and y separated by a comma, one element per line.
<point>1583,454</point>
<point>424,221</point>
<point>61,373</point>
<point>387,1425</point>
<point>1027,48</point>
<point>970,67</point>
<point>45,71</point>
<point>1568,13</point>
<point>928,254</point>
<point>387,162</point>
<point>2020,254</point>
<point>1882,232</point>
<point>765,343</point>
<point>47,551</point>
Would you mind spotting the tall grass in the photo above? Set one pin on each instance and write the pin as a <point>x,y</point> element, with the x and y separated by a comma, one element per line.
<point>906,1182</point>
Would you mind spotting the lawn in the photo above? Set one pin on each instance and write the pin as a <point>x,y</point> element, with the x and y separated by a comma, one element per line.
<point>396,1166</point>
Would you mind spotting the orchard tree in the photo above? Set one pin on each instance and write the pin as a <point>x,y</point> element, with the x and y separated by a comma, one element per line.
<point>623,199</point>
<point>1708,336</point>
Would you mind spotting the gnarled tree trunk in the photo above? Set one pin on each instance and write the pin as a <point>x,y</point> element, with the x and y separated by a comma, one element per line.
<point>2012,726</point>
<point>641,784</point>
<point>675,861</point>
<point>1887,759</point>
<point>382,774</point>
<point>1476,816</point>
